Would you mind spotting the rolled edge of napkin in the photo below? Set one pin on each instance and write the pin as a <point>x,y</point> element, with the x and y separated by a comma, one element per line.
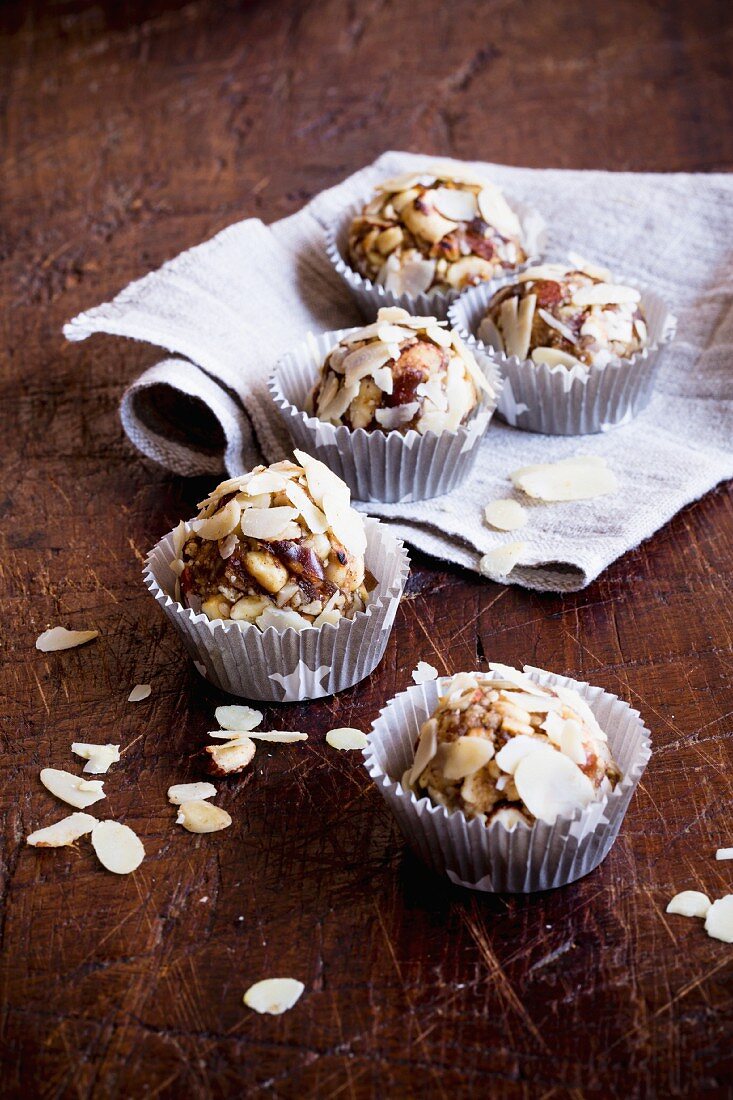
<point>179,417</point>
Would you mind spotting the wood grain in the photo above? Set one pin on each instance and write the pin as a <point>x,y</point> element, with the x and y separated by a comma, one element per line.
<point>131,131</point>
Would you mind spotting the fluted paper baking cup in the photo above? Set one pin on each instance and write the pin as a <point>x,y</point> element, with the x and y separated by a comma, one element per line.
<point>370,297</point>
<point>575,400</point>
<point>496,859</point>
<point>288,666</point>
<point>382,466</point>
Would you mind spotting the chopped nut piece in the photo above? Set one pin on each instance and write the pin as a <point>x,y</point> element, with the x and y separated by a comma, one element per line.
<point>73,789</point>
<point>139,692</point>
<point>689,903</point>
<point>201,817</point>
<point>98,757</point>
<point>346,738</point>
<point>424,673</point>
<point>505,515</point>
<point>570,479</point>
<point>118,848</point>
<point>232,757</point>
<point>62,832</point>
<point>58,638</point>
<point>238,718</point>
<point>273,995</point>
<point>188,792</point>
<point>719,919</point>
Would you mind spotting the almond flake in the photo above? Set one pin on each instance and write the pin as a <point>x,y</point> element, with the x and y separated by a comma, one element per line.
<point>118,848</point>
<point>73,789</point>
<point>321,480</point>
<point>427,747</point>
<point>594,270</point>
<point>278,737</point>
<point>62,832</point>
<point>505,515</point>
<point>719,919</point>
<point>553,322</point>
<point>497,212</point>
<point>551,785</point>
<point>346,738</point>
<point>282,618</point>
<point>428,224</point>
<point>267,481</point>
<point>411,276</point>
<point>58,638</point>
<point>238,718</point>
<point>455,204</point>
<point>267,523</point>
<point>232,757</point>
<point>553,357</point>
<point>489,334</point>
<point>201,817</point>
<point>690,903</point>
<point>424,673</point>
<point>99,757</point>
<point>509,756</point>
<point>138,693</point>
<point>220,524</point>
<point>605,294</point>
<point>273,996</point>
<point>397,415</point>
<point>571,742</point>
<point>523,331</point>
<point>466,756</point>
<point>188,792</point>
<point>573,479</point>
<point>724,853</point>
<point>501,561</point>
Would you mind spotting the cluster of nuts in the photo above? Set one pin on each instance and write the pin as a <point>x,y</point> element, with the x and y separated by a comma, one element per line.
<point>424,231</point>
<point>278,547</point>
<point>501,747</point>
<point>566,315</point>
<point>397,374</point>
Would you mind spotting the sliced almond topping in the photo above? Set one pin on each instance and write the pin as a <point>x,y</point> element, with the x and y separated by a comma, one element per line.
<point>469,269</point>
<point>187,792</point>
<point>138,693</point>
<point>455,204</point>
<point>427,747</point>
<point>523,332</point>
<point>551,785</point>
<point>501,561</point>
<point>238,718</point>
<point>571,742</point>
<point>397,415</point>
<point>268,481</point>
<point>424,673</point>
<point>282,618</point>
<point>321,480</point>
<point>311,513</point>
<point>553,272</point>
<point>497,212</point>
<point>232,757</point>
<point>118,848</point>
<point>268,523</point>
<point>719,919</point>
<point>201,817</point>
<point>489,334</point>
<point>73,789</point>
<point>605,294</point>
<point>365,360</point>
<point>594,270</point>
<point>724,853</point>
<point>690,903</point>
<point>575,479</point>
<point>220,524</point>
<point>516,748</point>
<point>58,638</point>
<point>62,832</point>
<point>406,182</point>
<point>534,704</point>
<point>505,515</point>
<point>466,756</point>
<point>346,738</point>
<point>553,357</point>
<point>99,757</point>
<point>273,996</point>
<point>424,220</point>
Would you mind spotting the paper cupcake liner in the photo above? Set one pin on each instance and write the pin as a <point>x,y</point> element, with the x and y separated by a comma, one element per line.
<point>497,859</point>
<point>569,401</point>
<point>380,466</point>
<point>288,666</point>
<point>370,297</point>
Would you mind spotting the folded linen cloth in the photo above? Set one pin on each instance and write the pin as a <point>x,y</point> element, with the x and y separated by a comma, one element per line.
<point>234,304</point>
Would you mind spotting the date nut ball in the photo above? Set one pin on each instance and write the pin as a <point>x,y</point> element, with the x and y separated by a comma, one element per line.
<point>425,232</point>
<point>499,746</point>
<point>399,373</point>
<point>566,315</point>
<point>280,546</point>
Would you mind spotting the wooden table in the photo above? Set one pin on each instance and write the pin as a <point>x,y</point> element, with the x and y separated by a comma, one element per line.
<point>132,131</point>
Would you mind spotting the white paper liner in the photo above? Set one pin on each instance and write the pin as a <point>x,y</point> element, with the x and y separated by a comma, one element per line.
<point>383,466</point>
<point>497,859</point>
<point>288,666</point>
<point>370,297</point>
<point>569,400</point>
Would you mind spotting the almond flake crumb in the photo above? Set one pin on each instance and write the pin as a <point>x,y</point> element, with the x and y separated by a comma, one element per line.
<point>346,738</point>
<point>99,757</point>
<point>284,737</point>
<point>58,638</point>
<point>505,515</point>
<point>187,792</point>
<point>231,757</point>
<point>724,853</point>
<point>719,919</point>
<point>78,792</point>
<point>273,995</point>
<point>424,673</point>
<point>582,478</point>
<point>62,832</point>
<point>139,692</point>
<point>238,718</point>
<point>118,848</point>
<point>201,817</point>
<point>690,903</point>
<point>501,561</point>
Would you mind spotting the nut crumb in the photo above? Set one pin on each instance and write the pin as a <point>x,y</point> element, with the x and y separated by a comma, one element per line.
<point>273,995</point>
<point>58,637</point>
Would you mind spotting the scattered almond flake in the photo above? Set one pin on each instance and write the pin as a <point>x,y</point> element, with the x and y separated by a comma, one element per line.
<point>221,524</point>
<point>347,738</point>
<point>73,789</point>
<point>285,737</point>
<point>551,785</point>
<point>267,481</point>
<point>424,673</point>
<point>99,757</point>
<point>501,561</point>
<point>690,903</point>
<point>199,816</point>
<point>552,321</point>
<point>118,848</point>
<point>427,747</point>
<point>563,481</point>
<point>466,755</point>
<point>58,638</point>
<point>719,919</point>
<point>238,718</point>
<point>505,515</point>
<point>535,704</point>
<point>231,758</point>
<point>273,995</point>
<point>139,692</point>
<point>509,756</point>
<point>190,792</point>
<point>229,545</point>
<point>282,618</point>
<point>724,853</point>
<point>62,832</point>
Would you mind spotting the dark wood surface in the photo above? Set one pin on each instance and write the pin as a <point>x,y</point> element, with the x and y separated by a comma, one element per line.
<point>131,131</point>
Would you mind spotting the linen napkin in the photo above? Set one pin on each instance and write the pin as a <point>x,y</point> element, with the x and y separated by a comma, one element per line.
<point>231,306</point>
